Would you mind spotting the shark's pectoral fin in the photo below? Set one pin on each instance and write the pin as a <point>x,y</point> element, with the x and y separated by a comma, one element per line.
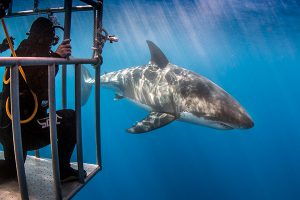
<point>153,121</point>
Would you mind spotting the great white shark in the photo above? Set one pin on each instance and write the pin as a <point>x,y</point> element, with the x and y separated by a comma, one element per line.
<point>170,93</point>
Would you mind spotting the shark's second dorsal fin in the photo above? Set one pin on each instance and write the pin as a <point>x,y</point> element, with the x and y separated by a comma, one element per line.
<point>157,56</point>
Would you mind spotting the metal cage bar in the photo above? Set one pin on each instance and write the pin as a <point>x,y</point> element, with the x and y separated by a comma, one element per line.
<point>10,7</point>
<point>67,30</point>
<point>97,109</point>
<point>97,37</point>
<point>95,4</point>
<point>16,127</point>
<point>51,62</point>
<point>37,153</point>
<point>35,5</point>
<point>78,121</point>
<point>45,11</point>
<point>29,61</point>
<point>53,131</point>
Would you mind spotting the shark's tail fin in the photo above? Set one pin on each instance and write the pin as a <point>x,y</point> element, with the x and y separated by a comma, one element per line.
<point>87,81</point>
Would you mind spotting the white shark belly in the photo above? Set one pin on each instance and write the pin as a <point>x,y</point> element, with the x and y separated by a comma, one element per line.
<point>189,117</point>
<point>141,105</point>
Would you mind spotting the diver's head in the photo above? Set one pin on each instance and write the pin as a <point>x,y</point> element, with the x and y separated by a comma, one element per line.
<point>42,31</point>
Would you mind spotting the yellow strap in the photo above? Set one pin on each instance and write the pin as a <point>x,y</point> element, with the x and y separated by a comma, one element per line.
<point>24,77</point>
<point>32,115</point>
<point>13,53</point>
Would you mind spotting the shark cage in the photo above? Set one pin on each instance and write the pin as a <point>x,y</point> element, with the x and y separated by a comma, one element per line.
<point>36,180</point>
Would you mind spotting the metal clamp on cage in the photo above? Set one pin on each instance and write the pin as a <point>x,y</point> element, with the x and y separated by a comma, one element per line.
<point>110,38</point>
<point>103,36</point>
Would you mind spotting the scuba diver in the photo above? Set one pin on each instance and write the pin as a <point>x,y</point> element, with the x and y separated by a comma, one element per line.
<point>4,45</point>
<point>35,133</point>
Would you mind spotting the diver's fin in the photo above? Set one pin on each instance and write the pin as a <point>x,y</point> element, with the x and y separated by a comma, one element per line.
<point>118,97</point>
<point>86,84</point>
<point>153,121</point>
<point>157,56</point>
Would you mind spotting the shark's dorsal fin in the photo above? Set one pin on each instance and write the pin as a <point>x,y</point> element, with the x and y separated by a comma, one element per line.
<point>153,121</point>
<point>157,56</point>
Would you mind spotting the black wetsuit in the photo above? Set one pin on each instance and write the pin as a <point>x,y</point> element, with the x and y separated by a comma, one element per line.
<point>35,134</point>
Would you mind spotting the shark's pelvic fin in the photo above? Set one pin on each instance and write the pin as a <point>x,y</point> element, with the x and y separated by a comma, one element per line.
<point>157,56</point>
<point>153,121</point>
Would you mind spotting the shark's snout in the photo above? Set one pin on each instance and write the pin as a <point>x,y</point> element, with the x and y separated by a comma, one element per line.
<point>246,122</point>
<point>234,115</point>
<point>242,119</point>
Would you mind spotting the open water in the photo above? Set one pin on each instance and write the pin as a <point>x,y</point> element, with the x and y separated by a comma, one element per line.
<point>250,48</point>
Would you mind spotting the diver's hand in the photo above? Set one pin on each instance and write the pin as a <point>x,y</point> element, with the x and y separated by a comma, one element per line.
<point>4,46</point>
<point>64,49</point>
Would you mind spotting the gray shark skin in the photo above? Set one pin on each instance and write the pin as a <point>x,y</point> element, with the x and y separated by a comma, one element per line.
<point>171,93</point>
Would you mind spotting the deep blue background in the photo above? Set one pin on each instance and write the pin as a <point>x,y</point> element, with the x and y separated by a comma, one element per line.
<point>250,48</point>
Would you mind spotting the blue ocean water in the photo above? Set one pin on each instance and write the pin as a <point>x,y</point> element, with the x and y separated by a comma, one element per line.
<point>250,48</point>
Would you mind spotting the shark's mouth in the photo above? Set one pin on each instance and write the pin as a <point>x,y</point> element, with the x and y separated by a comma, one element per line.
<point>225,126</point>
